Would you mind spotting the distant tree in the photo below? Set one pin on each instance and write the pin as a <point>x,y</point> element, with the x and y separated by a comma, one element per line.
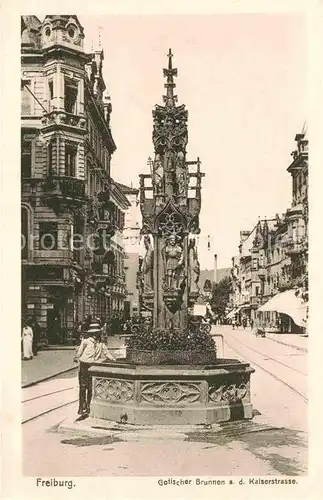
<point>221,296</point>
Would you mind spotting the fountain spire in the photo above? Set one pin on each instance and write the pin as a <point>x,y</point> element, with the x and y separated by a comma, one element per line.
<point>170,99</point>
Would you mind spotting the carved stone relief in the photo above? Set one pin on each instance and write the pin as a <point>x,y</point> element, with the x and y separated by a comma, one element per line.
<point>113,390</point>
<point>232,393</point>
<point>170,392</point>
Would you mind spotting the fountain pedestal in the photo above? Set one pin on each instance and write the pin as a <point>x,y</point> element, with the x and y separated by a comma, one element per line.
<point>171,376</point>
<point>172,395</point>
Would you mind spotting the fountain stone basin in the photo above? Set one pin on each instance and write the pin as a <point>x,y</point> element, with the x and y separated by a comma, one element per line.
<point>171,394</point>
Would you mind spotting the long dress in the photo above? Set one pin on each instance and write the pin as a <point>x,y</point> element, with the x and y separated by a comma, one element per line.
<point>27,342</point>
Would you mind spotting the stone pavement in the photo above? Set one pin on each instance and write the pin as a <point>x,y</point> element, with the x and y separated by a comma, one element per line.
<point>45,365</point>
<point>111,449</point>
<point>52,362</point>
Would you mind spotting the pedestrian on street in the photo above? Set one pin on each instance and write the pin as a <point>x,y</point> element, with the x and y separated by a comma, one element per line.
<point>87,322</point>
<point>104,330</point>
<point>89,351</point>
<point>77,334</point>
<point>233,324</point>
<point>27,340</point>
<point>36,336</point>
<point>244,323</point>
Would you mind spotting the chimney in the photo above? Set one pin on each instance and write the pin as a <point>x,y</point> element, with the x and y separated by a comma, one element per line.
<point>215,267</point>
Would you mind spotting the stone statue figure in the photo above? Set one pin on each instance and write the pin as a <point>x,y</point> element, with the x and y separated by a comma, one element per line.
<point>157,174</point>
<point>173,263</point>
<point>147,265</point>
<point>169,174</point>
<point>193,267</point>
<point>181,175</point>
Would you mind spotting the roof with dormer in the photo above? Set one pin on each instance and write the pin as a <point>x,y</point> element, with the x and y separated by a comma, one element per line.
<point>30,32</point>
<point>55,30</point>
<point>247,244</point>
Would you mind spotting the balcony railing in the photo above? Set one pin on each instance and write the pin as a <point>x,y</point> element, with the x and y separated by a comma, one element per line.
<point>65,187</point>
<point>295,246</point>
<point>98,268</point>
<point>255,301</point>
<point>61,118</point>
<point>262,273</point>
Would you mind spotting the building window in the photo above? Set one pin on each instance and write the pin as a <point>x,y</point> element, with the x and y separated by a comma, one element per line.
<point>50,158</point>
<point>51,89</point>
<point>70,160</point>
<point>91,183</point>
<point>70,96</point>
<point>122,221</point>
<point>255,264</point>
<point>25,100</point>
<point>48,235</point>
<point>25,156</point>
<point>77,240</point>
<point>24,233</point>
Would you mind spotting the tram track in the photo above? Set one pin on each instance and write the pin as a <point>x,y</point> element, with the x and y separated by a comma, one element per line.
<point>269,357</point>
<point>261,367</point>
<point>35,413</point>
<point>48,394</point>
<point>41,414</point>
<point>292,346</point>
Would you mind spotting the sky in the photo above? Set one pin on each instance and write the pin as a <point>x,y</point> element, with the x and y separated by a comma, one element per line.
<point>243,79</point>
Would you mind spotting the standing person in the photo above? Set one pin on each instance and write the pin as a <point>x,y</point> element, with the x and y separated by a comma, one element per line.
<point>104,330</point>
<point>77,334</point>
<point>233,323</point>
<point>85,356</point>
<point>114,323</point>
<point>251,324</point>
<point>90,350</point>
<point>244,322</point>
<point>88,322</point>
<point>36,336</point>
<point>27,341</point>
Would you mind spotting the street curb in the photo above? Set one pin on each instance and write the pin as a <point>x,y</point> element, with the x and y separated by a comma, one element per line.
<point>91,424</point>
<point>125,432</point>
<point>60,348</point>
<point>38,381</point>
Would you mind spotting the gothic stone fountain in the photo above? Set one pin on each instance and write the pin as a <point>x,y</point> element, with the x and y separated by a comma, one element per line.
<point>171,374</point>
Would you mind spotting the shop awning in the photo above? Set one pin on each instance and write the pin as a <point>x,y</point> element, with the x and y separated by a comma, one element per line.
<point>288,303</point>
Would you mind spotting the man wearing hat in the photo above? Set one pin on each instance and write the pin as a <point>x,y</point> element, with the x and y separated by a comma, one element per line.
<point>90,350</point>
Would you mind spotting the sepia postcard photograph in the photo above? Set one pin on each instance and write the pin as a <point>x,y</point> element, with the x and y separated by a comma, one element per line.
<point>164,261</point>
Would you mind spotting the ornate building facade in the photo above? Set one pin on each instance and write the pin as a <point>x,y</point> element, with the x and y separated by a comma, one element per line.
<point>132,247</point>
<point>273,257</point>
<point>72,212</point>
